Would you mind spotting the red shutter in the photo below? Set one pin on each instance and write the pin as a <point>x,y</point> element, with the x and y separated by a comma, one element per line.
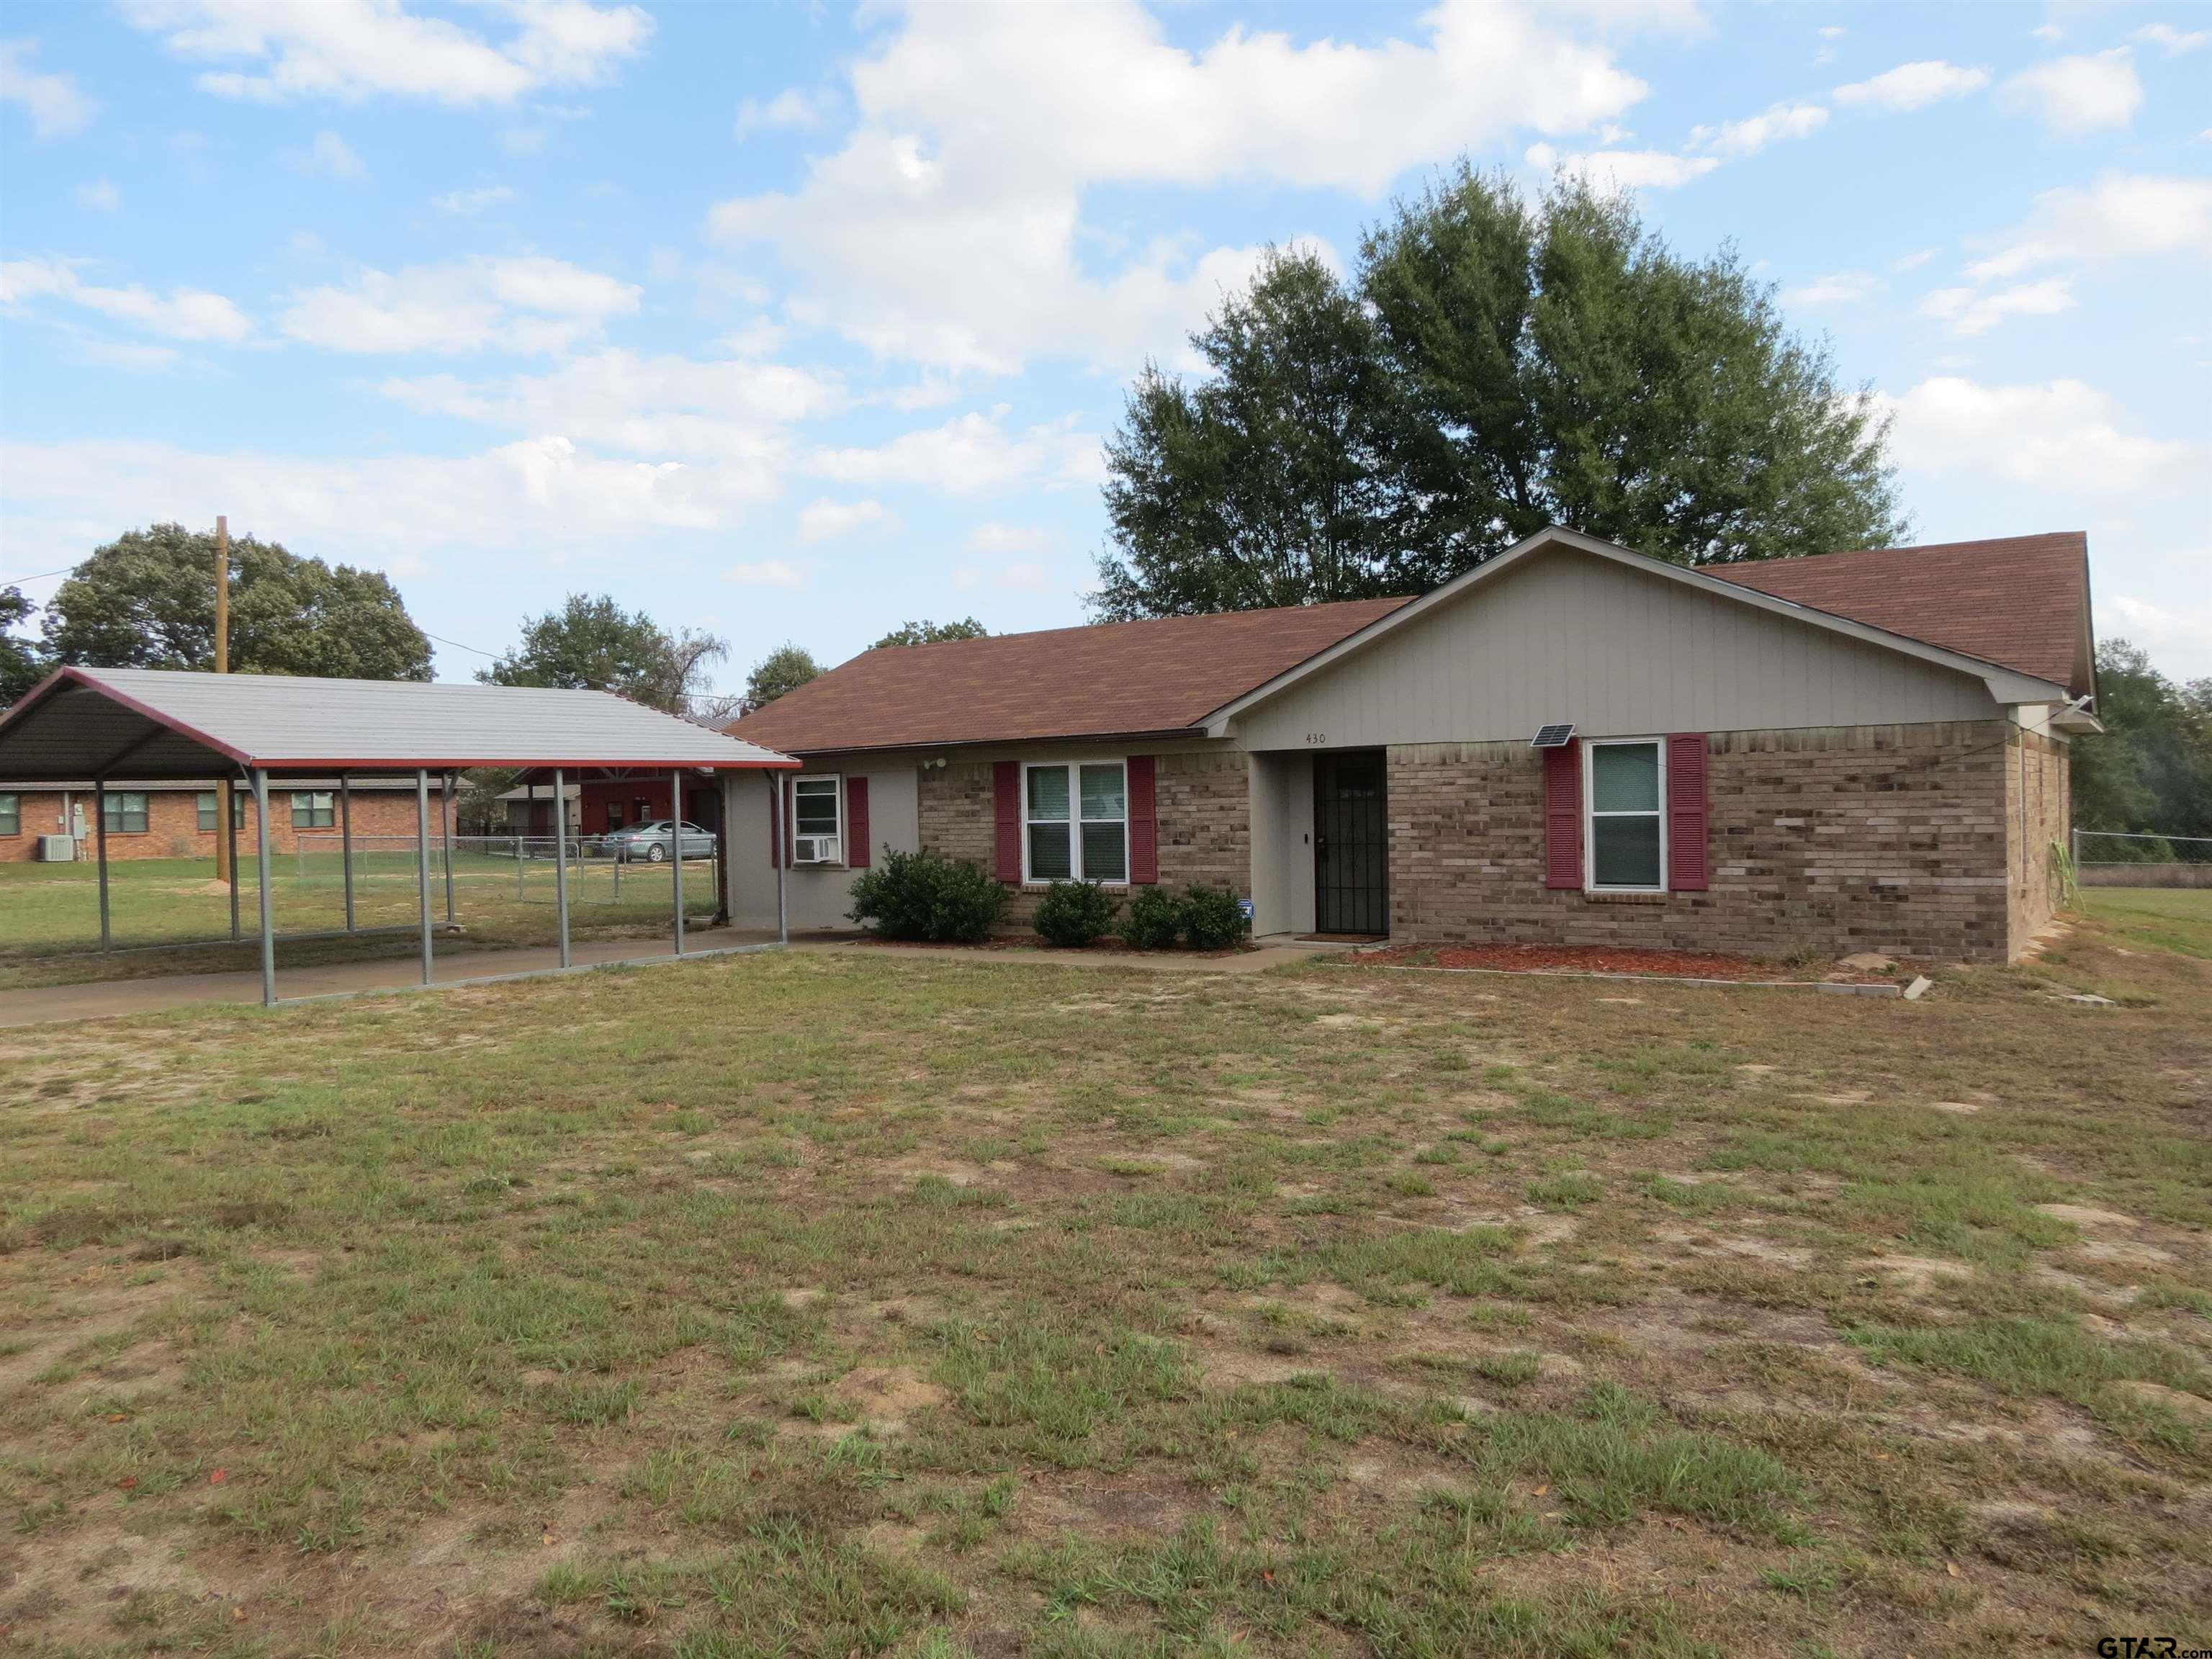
<point>856,823</point>
<point>775,798</point>
<point>1144,821</point>
<point>1563,816</point>
<point>1006,783</point>
<point>1689,864</point>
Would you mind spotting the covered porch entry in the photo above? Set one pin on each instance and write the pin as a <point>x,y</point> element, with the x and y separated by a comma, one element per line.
<point>1320,842</point>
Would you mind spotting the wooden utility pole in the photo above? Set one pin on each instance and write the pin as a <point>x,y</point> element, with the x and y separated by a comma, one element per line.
<point>223,807</point>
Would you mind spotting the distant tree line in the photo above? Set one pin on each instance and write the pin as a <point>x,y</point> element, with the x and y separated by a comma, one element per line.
<point>2150,772</point>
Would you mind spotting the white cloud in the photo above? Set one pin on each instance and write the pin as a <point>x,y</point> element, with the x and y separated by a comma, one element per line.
<point>2060,433</point>
<point>1625,169</point>
<point>56,106</point>
<point>182,314</point>
<point>138,359</point>
<point>352,49</point>
<point>1912,86</point>
<point>1837,288</point>
<point>2075,95</point>
<point>971,455</point>
<point>1026,578</point>
<point>533,500</point>
<point>467,203</point>
<point>2172,40</point>
<point>2047,32</point>
<point>991,537</point>
<point>825,519</point>
<point>1754,133</point>
<point>2167,632</point>
<point>522,141</point>
<point>1913,260</point>
<point>2121,216</point>
<point>526,303</point>
<point>793,109</point>
<point>1971,312</point>
<point>333,157</point>
<point>766,573</point>
<point>99,196</point>
<point>948,229</point>
<point>654,406</point>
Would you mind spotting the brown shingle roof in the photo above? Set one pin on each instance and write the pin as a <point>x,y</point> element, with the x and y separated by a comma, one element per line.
<point>2021,602</point>
<point>1114,679</point>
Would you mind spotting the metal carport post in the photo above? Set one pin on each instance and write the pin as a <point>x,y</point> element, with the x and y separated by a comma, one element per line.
<point>676,849</point>
<point>422,864</point>
<point>261,859</point>
<point>561,860</point>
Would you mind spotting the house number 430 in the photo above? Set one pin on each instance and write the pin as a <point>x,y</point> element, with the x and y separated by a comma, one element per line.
<point>1316,737</point>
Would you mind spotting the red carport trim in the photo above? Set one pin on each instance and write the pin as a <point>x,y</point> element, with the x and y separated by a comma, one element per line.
<point>39,693</point>
<point>370,763</point>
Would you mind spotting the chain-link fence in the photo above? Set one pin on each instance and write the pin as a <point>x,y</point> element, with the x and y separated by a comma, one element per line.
<point>2110,858</point>
<point>601,869</point>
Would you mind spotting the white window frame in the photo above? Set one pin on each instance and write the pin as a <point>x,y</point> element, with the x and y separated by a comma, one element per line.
<point>1591,815</point>
<point>14,814</point>
<point>328,800</point>
<point>837,780</point>
<point>114,799</point>
<point>1073,768</point>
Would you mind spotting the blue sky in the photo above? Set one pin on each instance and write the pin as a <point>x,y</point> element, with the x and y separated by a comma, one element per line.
<point>792,322</point>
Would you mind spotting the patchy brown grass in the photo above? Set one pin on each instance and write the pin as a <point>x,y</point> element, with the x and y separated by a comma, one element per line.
<point>829,1304</point>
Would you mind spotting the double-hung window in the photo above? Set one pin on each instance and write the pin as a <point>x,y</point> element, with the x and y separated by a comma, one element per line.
<point>814,807</point>
<point>125,812</point>
<point>1076,822</point>
<point>313,809</point>
<point>1626,788</point>
<point>210,815</point>
<point>11,814</point>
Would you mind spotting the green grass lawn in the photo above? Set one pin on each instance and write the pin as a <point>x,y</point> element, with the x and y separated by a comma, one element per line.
<point>831,1305</point>
<point>49,912</point>
<point>2165,918</point>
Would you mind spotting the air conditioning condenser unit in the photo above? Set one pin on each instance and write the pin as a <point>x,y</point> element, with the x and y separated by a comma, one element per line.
<point>57,849</point>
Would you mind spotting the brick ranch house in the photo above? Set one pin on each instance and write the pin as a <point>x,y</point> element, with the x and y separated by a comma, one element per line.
<point>182,820</point>
<point>1862,750</point>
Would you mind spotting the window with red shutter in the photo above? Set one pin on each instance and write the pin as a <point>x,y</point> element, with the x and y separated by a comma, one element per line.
<point>1144,820</point>
<point>1689,859</point>
<point>1563,816</point>
<point>856,823</point>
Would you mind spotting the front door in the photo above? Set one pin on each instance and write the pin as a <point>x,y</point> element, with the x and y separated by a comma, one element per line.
<point>1352,857</point>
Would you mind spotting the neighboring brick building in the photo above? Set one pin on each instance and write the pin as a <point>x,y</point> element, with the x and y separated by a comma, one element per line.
<point>1858,752</point>
<point>180,821</point>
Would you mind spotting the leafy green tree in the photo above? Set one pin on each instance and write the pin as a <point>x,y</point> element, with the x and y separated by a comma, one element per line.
<point>591,644</point>
<point>147,600</point>
<point>1494,364</point>
<point>784,669</point>
<point>2150,771</point>
<point>930,633</point>
<point>22,665</point>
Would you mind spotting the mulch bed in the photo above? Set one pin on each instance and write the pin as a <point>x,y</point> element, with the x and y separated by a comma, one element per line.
<point>1107,947</point>
<point>1592,959</point>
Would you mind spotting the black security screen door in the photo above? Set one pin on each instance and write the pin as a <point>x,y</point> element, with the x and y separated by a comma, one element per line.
<point>1352,862</point>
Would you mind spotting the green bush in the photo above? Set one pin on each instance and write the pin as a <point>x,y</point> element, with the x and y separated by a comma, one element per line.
<point>1212,919</point>
<point>1156,920</point>
<point>918,895</point>
<point>1073,913</point>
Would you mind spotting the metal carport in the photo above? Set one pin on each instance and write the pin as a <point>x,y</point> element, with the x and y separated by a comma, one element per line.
<point>161,725</point>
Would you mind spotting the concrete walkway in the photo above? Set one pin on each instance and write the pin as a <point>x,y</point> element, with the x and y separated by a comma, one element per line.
<point>112,998</point>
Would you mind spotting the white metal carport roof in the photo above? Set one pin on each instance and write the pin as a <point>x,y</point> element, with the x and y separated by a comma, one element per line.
<point>156,723</point>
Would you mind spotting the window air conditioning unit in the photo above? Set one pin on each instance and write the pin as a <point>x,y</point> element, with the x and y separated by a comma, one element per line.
<point>57,849</point>
<point>814,849</point>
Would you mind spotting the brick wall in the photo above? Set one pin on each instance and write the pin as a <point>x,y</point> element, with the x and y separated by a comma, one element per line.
<point>1203,811</point>
<point>172,824</point>
<point>1832,839</point>
<point>2038,814</point>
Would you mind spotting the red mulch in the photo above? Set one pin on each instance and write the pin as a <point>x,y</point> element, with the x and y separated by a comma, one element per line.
<point>1591,959</point>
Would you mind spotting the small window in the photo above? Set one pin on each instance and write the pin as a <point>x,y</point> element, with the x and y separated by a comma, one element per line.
<point>614,815</point>
<point>641,809</point>
<point>1076,821</point>
<point>816,806</point>
<point>313,809</point>
<point>209,813</point>
<point>1627,829</point>
<point>11,814</point>
<point>125,812</point>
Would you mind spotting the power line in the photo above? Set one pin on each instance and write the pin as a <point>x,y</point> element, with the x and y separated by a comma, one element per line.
<point>458,645</point>
<point>11,581</point>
